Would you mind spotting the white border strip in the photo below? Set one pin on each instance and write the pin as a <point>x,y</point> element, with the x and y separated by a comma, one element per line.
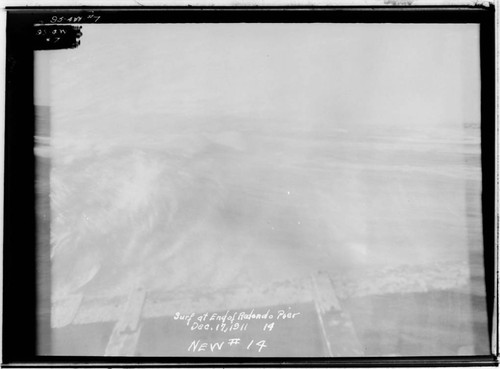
<point>138,3</point>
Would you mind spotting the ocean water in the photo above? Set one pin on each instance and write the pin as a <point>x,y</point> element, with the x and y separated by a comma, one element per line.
<point>211,210</point>
<point>205,211</point>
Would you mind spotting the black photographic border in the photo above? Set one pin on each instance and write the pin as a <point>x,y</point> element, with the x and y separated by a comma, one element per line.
<point>20,256</point>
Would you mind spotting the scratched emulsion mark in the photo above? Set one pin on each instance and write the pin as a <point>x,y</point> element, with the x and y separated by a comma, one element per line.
<point>56,36</point>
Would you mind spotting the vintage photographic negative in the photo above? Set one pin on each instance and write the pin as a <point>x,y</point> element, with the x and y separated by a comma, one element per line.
<point>262,190</point>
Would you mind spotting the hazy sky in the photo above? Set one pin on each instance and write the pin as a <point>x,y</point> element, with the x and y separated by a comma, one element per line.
<point>305,74</point>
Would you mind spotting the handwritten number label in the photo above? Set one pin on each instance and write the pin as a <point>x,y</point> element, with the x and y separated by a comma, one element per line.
<point>74,19</point>
<point>227,323</point>
<point>268,327</point>
<point>95,18</point>
<point>56,36</point>
<point>56,19</point>
<point>260,345</point>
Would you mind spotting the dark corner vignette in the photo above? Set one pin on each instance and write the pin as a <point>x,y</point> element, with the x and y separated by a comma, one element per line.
<point>488,144</point>
<point>26,320</point>
<point>27,316</point>
<point>19,294</point>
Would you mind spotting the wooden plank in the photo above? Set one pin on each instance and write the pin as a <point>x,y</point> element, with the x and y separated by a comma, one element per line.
<point>123,343</point>
<point>123,340</point>
<point>66,311</point>
<point>337,328</point>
